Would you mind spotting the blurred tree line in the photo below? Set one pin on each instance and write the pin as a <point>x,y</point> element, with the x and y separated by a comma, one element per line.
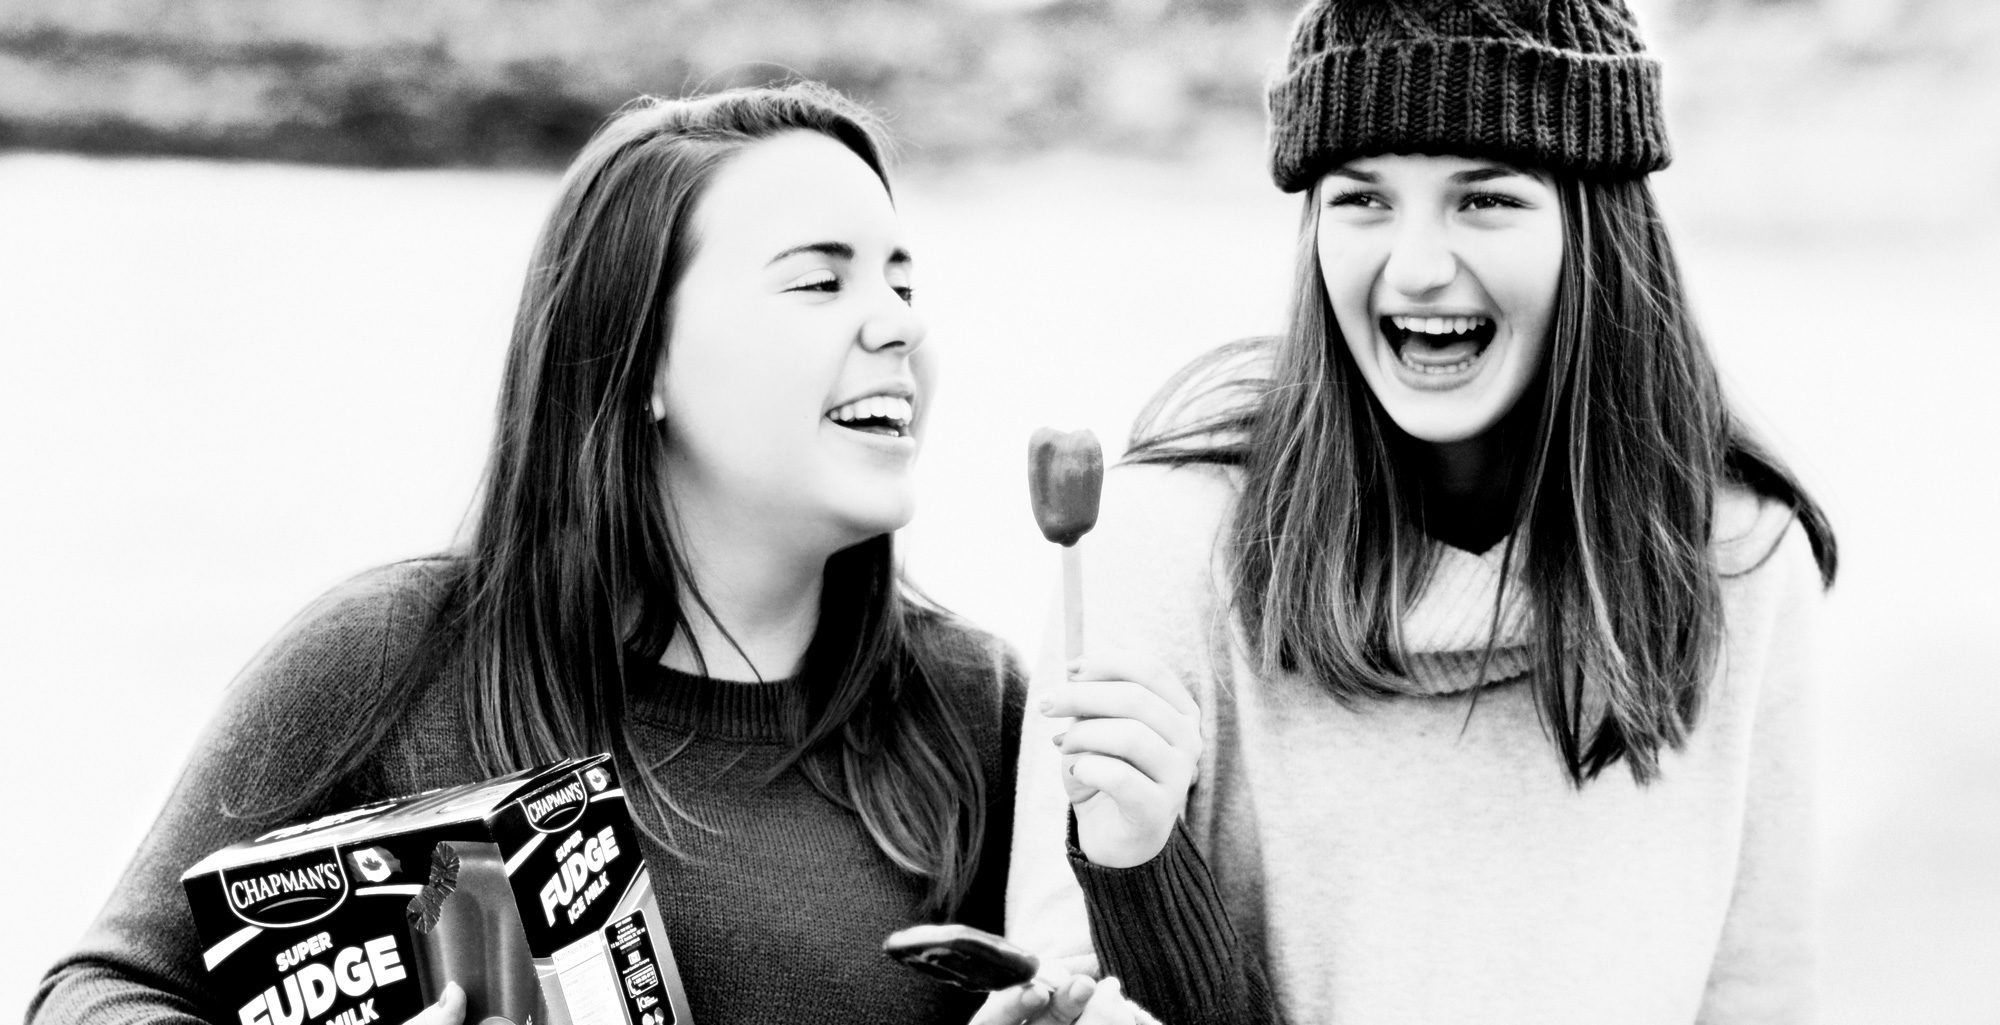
<point>524,82</point>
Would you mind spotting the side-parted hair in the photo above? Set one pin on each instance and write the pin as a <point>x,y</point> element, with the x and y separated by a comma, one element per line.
<point>1619,451</point>
<point>571,565</point>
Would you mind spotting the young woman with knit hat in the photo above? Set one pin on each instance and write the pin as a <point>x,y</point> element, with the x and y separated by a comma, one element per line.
<point>1499,619</point>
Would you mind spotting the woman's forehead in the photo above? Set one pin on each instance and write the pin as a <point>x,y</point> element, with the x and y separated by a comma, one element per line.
<point>792,188</point>
<point>1440,164</point>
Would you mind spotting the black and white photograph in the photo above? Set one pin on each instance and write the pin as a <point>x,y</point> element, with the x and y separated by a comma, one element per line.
<point>986,512</point>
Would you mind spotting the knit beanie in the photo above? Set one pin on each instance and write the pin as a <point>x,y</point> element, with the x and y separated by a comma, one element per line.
<point>1559,85</point>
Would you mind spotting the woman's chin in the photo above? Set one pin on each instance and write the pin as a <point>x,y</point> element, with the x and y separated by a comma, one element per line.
<point>875,520</point>
<point>1442,427</point>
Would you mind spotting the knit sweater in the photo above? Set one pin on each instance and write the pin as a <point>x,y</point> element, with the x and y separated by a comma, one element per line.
<point>1425,858</point>
<point>777,913</point>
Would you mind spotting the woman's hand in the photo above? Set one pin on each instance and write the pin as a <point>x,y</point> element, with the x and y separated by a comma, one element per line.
<point>1078,1000</point>
<point>448,1010</point>
<point>1131,755</point>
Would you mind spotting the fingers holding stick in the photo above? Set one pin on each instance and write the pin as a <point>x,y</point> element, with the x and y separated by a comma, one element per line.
<point>1129,755</point>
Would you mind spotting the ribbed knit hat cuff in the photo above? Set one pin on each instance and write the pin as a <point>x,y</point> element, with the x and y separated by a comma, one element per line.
<point>1540,107</point>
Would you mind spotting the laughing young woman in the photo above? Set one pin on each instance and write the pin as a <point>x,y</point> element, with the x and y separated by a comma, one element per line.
<point>1499,620</point>
<point>683,554</point>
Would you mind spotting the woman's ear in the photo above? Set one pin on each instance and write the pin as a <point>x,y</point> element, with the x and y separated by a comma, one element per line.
<point>656,399</point>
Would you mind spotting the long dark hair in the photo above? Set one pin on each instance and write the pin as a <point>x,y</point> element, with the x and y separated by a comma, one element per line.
<point>1619,450</point>
<point>571,566</point>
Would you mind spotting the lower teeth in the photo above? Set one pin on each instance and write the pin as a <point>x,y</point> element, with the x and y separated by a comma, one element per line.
<point>1440,369</point>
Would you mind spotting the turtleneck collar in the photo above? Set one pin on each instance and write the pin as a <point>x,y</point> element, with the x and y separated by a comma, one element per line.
<point>1445,634</point>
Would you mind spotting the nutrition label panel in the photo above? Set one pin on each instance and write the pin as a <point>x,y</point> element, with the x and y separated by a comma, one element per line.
<point>589,984</point>
<point>631,948</point>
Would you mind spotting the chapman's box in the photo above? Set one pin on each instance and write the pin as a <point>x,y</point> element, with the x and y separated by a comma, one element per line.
<point>528,891</point>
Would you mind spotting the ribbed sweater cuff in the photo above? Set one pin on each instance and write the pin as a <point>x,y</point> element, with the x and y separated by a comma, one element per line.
<point>1160,927</point>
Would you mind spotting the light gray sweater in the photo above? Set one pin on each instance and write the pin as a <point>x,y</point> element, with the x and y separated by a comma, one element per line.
<point>1425,859</point>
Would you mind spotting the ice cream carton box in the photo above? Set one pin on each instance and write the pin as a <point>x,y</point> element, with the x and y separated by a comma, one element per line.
<point>528,891</point>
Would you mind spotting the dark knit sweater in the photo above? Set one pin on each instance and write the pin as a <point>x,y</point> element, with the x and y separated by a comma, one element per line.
<point>777,913</point>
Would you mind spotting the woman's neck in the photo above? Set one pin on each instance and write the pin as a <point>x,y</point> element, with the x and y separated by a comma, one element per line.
<point>763,602</point>
<point>1470,492</point>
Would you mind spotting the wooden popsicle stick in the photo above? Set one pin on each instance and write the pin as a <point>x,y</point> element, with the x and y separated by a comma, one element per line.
<point>1072,562</point>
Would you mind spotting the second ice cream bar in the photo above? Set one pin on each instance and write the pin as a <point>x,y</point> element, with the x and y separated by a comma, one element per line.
<point>467,931</point>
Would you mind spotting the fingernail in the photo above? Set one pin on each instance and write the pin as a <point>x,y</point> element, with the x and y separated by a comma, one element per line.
<point>1045,704</point>
<point>1034,998</point>
<point>1074,666</point>
<point>1058,738</point>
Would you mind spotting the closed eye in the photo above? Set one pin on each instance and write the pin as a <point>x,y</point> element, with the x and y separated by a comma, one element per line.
<point>817,281</point>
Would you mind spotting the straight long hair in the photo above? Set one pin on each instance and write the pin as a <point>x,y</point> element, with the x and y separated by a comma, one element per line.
<point>572,568</point>
<point>1618,452</point>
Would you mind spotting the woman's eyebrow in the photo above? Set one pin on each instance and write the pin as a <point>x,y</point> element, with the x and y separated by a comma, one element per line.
<point>1356,174</point>
<point>1488,173</point>
<point>837,250</point>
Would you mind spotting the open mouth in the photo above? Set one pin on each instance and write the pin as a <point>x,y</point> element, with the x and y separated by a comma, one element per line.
<point>887,416</point>
<point>1438,345</point>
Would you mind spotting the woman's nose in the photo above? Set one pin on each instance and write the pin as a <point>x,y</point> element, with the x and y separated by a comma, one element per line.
<point>1421,259</point>
<point>894,322</point>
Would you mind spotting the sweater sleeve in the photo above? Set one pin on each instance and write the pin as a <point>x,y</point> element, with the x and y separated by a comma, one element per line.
<point>1763,970</point>
<point>140,960</point>
<point>1160,927</point>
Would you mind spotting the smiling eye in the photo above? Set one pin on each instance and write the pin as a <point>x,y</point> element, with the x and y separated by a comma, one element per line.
<point>817,281</point>
<point>1493,201</point>
<point>1353,198</point>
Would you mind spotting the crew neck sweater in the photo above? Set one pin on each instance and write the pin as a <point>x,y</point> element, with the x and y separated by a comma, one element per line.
<point>1424,858</point>
<point>776,912</point>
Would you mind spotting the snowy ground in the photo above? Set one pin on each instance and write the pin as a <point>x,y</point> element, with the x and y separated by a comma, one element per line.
<point>226,387</point>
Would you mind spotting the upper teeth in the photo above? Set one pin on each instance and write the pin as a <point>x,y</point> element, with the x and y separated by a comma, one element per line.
<point>876,407</point>
<point>1437,325</point>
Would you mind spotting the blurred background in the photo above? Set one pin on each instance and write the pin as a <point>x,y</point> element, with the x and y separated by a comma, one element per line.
<point>258,261</point>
